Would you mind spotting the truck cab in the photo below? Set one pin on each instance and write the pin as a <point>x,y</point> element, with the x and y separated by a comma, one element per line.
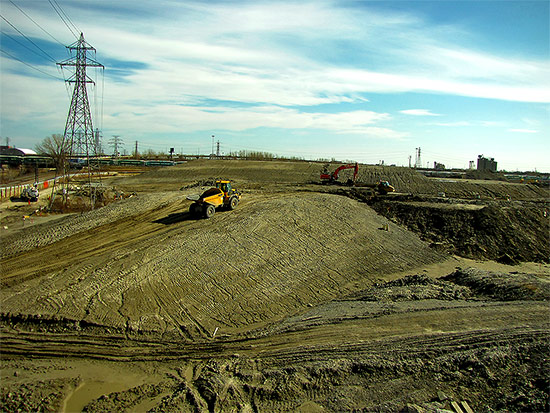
<point>228,191</point>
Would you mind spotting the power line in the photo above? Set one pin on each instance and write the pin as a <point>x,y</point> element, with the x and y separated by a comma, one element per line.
<point>22,34</point>
<point>27,64</point>
<point>32,20</point>
<point>66,15</point>
<point>62,19</point>
<point>22,44</point>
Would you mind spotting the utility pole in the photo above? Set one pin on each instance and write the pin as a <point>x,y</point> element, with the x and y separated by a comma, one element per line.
<point>115,142</point>
<point>410,161</point>
<point>418,161</point>
<point>136,153</point>
<point>218,149</point>
<point>98,148</point>
<point>212,145</point>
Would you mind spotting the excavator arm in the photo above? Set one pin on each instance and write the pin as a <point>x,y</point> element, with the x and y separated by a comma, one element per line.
<point>334,176</point>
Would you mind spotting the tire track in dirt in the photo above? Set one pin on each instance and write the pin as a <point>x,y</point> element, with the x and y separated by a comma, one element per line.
<point>156,294</point>
<point>237,269</point>
<point>50,232</point>
<point>282,349</point>
<point>90,240</point>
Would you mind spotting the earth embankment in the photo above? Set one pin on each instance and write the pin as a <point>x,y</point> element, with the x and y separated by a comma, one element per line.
<point>163,272</point>
<point>503,231</point>
<point>279,175</point>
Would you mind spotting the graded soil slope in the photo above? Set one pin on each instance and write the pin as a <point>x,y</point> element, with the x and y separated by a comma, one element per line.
<point>161,271</point>
<point>280,175</point>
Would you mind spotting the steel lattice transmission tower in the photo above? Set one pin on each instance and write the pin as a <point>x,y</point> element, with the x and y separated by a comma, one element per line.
<point>79,132</point>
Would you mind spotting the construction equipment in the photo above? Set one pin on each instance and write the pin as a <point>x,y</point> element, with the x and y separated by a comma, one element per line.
<point>221,196</point>
<point>29,194</point>
<point>384,187</point>
<point>327,177</point>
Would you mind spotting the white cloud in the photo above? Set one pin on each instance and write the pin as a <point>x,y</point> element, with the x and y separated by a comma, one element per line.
<point>523,130</point>
<point>419,112</point>
<point>365,80</point>
<point>193,118</point>
<point>492,123</point>
<point>24,97</point>
<point>221,65</point>
<point>454,124</point>
<point>291,54</point>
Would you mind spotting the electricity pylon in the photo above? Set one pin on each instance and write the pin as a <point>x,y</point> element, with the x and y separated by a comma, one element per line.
<point>79,136</point>
<point>79,131</point>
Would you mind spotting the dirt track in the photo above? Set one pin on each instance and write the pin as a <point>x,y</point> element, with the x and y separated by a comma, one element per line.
<point>279,305</point>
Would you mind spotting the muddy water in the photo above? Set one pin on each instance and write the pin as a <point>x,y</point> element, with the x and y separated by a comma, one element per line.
<point>88,391</point>
<point>98,384</point>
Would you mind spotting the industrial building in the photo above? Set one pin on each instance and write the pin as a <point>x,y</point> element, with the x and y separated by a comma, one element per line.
<point>15,157</point>
<point>486,164</point>
<point>11,151</point>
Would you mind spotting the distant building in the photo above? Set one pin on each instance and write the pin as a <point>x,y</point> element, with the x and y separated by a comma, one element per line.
<point>486,164</point>
<point>439,166</point>
<point>11,151</point>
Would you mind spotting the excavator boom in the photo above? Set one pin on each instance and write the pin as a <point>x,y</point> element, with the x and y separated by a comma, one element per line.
<point>328,177</point>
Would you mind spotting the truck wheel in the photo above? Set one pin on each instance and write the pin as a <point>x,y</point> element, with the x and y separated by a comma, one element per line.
<point>193,209</point>
<point>233,202</point>
<point>209,210</point>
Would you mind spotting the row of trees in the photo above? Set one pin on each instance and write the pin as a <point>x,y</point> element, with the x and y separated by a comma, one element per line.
<point>261,156</point>
<point>58,149</point>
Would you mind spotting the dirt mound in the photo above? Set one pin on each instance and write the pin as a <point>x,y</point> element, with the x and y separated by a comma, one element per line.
<point>502,286</point>
<point>184,276</point>
<point>488,190</point>
<point>86,197</point>
<point>270,174</point>
<point>507,233</point>
<point>66,226</point>
<point>390,381</point>
<point>201,183</point>
<point>246,174</point>
<point>463,284</point>
<point>403,179</point>
<point>414,287</point>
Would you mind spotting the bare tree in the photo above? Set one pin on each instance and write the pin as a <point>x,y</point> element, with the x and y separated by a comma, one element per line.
<point>57,148</point>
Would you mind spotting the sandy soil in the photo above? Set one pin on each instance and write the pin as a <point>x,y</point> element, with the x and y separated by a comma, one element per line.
<point>304,298</point>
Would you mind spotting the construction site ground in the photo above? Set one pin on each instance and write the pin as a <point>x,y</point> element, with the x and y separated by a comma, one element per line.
<point>307,297</point>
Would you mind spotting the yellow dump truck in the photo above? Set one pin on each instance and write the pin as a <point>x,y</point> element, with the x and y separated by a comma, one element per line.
<point>221,196</point>
<point>382,187</point>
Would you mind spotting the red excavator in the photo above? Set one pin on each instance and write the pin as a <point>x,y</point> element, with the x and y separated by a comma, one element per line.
<point>327,177</point>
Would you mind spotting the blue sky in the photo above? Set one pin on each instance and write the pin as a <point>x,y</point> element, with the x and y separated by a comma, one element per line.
<point>354,80</point>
